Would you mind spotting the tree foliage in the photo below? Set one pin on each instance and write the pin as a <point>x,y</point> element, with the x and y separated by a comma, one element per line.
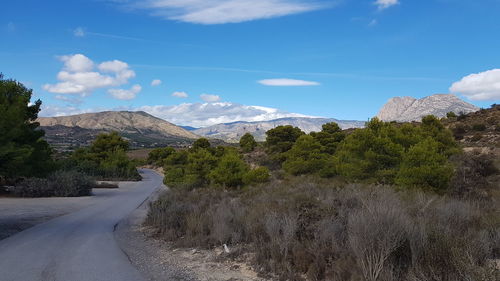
<point>330,137</point>
<point>201,143</point>
<point>106,158</point>
<point>157,155</point>
<point>282,138</point>
<point>23,152</point>
<point>247,143</point>
<point>230,170</point>
<point>424,166</point>
<point>305,157</point>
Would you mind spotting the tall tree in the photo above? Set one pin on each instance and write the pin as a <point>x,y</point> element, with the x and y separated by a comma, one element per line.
<point>247,143</point>
<point>23,152</point>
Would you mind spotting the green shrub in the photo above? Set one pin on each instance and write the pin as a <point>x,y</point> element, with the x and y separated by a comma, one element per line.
<point>229,171</point>
<point>329,137</point>
<point>201,143</point>
<point>305,157</point>
<point>158,155</point>
<point>424,166</point>
<point>282,138</point>
<point>70,184</point>
<point>247,143</point>
<point>61,184</point>
<point>105,159</point>
<point>451,114</point>
<point>479,127</point>
<point>256,176</point>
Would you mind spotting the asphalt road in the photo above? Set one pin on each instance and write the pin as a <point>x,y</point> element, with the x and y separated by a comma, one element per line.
<point>79,246</point>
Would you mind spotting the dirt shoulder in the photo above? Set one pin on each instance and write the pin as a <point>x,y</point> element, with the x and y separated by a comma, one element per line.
<point>159,261</point>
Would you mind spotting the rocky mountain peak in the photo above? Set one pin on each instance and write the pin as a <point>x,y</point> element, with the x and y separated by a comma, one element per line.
<point>407,109</point>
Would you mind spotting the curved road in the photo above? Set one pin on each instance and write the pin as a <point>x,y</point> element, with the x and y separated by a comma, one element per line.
<point>79,246</point>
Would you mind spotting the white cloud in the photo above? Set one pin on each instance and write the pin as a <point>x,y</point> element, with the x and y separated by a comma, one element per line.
<point>210,98</point>
<point>479,86</point>
<point>207,114</point>
<point>224,11</point>
<point>78,75</point>
<point>182,95</point>
<point>287,82</point>
<point>79,32</point>
<point>156,82</point>
<point>54,110</point>
<point>122,94</point>
<point>384,4</point>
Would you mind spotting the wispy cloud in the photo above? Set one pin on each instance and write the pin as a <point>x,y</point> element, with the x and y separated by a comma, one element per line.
<point>210,98</point>
<point>318,74</point>
<point>156,82</point>
<point>384,4</point>
<point>181,95</point>
<point>224,11</point>
<point>281,82</point>
<point>82,32</point>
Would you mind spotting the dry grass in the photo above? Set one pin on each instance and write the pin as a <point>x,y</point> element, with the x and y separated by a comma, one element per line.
<point>302,229</point>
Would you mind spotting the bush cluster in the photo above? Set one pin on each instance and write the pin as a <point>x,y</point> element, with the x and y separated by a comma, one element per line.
<point>105,159</point>
<point>203,165</point>
<point>302,230</point>
<point>59,184</point>
<point>405,154</point>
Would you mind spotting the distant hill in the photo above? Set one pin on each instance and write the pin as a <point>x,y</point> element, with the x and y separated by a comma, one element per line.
<point>407,109</point>
<point>141,128</point>
<point>189,128</point>
<point>478,129</point>
<point>232,132</point>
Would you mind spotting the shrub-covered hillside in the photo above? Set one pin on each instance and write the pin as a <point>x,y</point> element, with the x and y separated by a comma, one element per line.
<point>388,202</point>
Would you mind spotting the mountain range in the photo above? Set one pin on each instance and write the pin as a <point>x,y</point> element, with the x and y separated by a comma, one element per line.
<point>141,128</point>
<point>407,109</point>
<point>145,130</point>
<point>232,132</point>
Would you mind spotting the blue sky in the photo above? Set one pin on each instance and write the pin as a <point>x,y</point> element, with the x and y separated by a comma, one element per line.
<point>250,59</point>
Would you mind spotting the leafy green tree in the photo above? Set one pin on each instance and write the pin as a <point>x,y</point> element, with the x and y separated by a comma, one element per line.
<point>200,164</point>
<point>23,152</point>
<point>329,137</point>
<point>229,171</point>
<point>370,153</point>
<point>107,142</point>
<point>433,128</point>
<point>423,165</point>
<point>117,165</point>
<point>106,158</point>
<point>201,143</point>
<point>158,155</point>
<point>247,143</point>
<point>282,138</point>
<point>305,157</point>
